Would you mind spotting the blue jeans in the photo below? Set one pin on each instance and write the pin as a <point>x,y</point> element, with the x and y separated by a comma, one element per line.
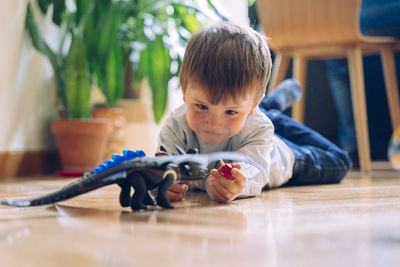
<point>317,160</point>
<point>337,73</point>
<point>377,18</point>
<point>380,18</point>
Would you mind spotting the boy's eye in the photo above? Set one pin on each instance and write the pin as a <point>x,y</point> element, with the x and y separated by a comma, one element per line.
<point>231,112</point>
<point>200,106</point>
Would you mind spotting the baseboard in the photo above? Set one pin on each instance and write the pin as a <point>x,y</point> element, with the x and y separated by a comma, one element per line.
<point>28,163</point>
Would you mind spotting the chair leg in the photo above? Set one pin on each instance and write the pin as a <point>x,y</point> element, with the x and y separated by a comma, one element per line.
<point>392,93</point>
<point>279,70</point>
<point>359,107</point>
<point>300,74</point>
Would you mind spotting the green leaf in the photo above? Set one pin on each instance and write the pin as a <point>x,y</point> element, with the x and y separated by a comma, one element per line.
<point>37,39</point>
<point>41,45</point>
<point>143,66</point>
<point>191,23</point>
<point>186,19</point>
<point>95,70</point>
<point>114,76</point>
<point>44,5</point>
<point>77,83</point>
<point>159,75</point>
<point>109,26</point>
<point>91,33</point>
<point>58,10</point>
<point>83,9</point>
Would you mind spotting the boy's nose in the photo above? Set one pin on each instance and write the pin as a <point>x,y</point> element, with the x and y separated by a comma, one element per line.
<point>214,121</point>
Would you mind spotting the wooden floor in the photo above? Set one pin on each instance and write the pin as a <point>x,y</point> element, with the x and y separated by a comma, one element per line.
<point>355,223</point>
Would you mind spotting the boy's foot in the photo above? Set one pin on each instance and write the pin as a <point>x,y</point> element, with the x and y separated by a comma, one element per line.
<point>284,96</point>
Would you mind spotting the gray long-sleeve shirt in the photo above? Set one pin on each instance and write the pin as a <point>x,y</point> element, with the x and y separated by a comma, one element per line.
<point>256,140</point>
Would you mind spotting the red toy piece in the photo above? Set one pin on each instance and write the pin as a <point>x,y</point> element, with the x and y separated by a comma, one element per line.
<point>226,170</point>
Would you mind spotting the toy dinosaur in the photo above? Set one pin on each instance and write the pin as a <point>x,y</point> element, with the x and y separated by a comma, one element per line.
<point>134,169</point>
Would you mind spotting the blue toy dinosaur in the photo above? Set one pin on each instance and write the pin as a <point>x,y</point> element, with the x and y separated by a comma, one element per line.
<point>134,169</point>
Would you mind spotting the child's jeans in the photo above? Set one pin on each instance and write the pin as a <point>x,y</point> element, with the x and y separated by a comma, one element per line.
<point>317,160</point>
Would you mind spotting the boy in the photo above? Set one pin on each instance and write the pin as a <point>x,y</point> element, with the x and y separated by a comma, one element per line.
<point>223,78</point>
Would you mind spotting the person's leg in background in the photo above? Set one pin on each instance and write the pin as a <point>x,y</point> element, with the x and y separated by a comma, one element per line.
<point>377,18</point>
<point>338,78</point>
<point>380,18</point>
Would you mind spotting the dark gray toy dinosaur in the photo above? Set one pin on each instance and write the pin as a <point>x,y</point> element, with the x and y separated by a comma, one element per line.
<point>140,172</point>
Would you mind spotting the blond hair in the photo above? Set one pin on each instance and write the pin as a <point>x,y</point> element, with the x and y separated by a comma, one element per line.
<point>228,61</point>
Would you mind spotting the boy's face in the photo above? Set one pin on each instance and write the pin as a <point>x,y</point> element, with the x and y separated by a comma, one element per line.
<point>215,123</point>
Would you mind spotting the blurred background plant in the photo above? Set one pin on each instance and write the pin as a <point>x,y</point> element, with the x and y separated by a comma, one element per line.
<point>116,44</point>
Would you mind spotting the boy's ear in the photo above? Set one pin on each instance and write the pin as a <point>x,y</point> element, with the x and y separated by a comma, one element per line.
<point>183,93</point>
<point>253,108</point>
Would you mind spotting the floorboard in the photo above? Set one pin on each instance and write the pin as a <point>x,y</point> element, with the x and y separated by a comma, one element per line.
<point>354,223</point>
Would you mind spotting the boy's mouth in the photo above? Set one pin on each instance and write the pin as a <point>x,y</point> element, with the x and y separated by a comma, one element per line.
<point>212,133</point>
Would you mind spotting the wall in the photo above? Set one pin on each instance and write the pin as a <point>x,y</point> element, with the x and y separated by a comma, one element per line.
<point>27,91</point>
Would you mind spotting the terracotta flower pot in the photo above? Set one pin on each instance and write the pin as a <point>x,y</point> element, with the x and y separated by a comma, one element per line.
<point>81,143</point>
<point>115,143</point>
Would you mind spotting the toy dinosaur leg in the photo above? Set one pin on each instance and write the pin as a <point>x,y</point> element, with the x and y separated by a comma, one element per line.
<point>125,195</point>
<point>149,200</point>
<point>137,181</point>
<point>162,196</point>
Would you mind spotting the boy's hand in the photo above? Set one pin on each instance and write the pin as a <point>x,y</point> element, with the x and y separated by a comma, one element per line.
<point>223,189</point>
<point>177,191</point>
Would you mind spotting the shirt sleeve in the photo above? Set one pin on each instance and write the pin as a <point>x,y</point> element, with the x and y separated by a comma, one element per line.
<point>257,147</point>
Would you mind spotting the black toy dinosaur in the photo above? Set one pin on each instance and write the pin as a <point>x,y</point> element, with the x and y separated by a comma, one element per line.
<point>133,169</point>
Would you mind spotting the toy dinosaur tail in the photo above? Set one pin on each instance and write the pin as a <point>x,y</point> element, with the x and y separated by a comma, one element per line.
<point>77,187</point>
<point>64,193</point>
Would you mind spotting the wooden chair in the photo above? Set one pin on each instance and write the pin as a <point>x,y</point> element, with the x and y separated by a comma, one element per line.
<point>312,29</point>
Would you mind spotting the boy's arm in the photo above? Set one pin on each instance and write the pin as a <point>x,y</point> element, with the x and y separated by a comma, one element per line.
<point>257,176</point>
<point>276,162</point>
<point>256,142</point>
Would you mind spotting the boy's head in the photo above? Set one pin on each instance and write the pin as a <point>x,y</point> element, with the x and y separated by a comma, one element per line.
<point>227,61</point>
<point>223,77</point>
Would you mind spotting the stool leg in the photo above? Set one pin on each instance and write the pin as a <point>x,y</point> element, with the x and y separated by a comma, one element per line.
<point>359,107</point>
<point>279,70</point>
<point>300,74</point>
<point>392,93</point>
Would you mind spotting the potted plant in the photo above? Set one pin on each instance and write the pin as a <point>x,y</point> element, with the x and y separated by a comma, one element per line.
<point>81,140</point>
